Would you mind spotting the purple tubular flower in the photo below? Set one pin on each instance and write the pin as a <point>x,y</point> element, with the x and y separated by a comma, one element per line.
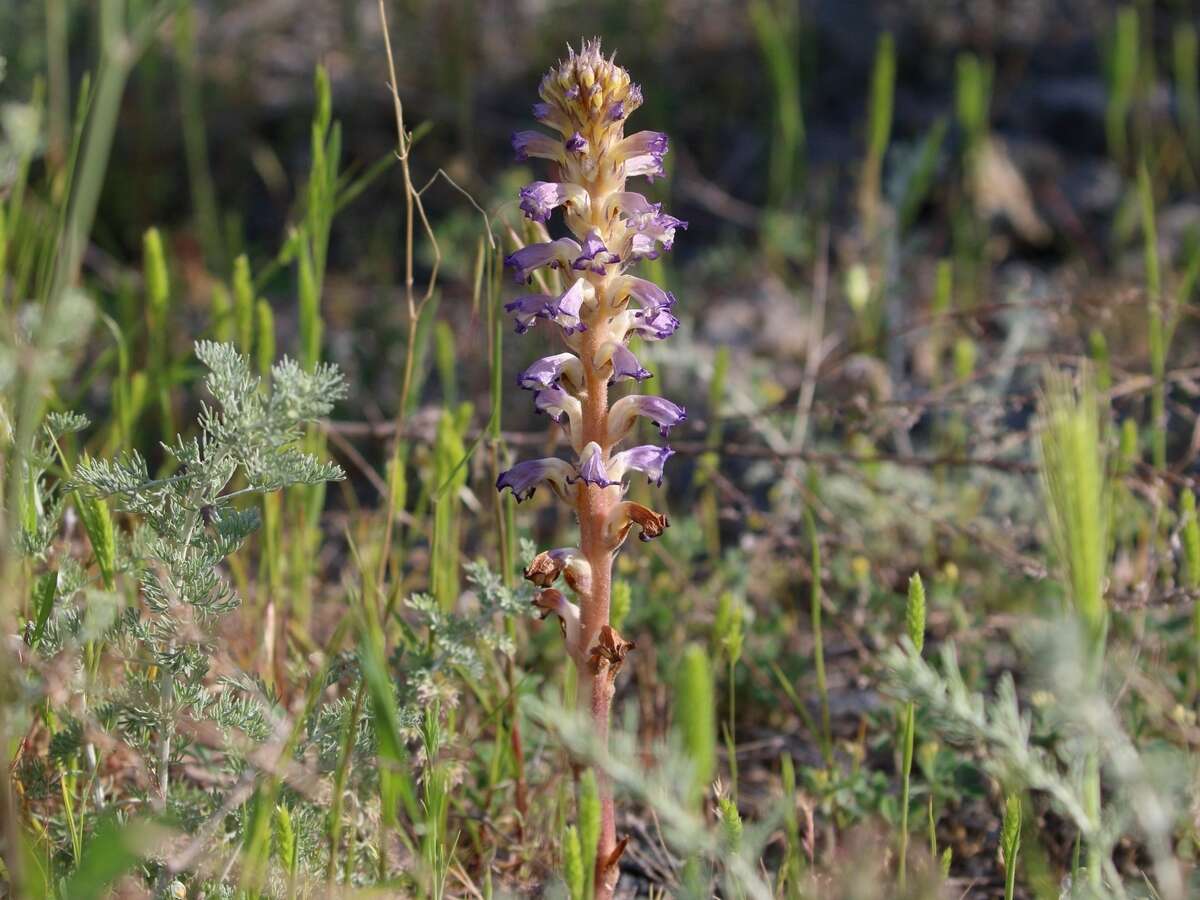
<point>645,164</point>
<point>625,365</point>
<point>643,153</point>
<point>577,144</point>
<point>523,478</point>
<point>547,371</point>
<point>659,410</point>
<point>659,228</point>
<point>641,246</point>
<point>631,203</point>
<point>654,325</point>
<point>616,111</point>
<point>557,403</point>
<point>647,293</point>
<point>533,256</point>
<point>550,401</point>
<point>594,256</point>
<point>654,142</point>
<point>525,309</point>
<point>647,458</point>
<point>548,114</point>
<point>540,198</point>
<point>565,308</point>
<point>591,466</point>
<point>533,143</point>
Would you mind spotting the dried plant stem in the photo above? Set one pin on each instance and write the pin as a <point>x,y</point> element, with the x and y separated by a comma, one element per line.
<point>413,208</point>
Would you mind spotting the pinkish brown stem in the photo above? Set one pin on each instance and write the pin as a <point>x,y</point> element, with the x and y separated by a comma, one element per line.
<point>595,692</point>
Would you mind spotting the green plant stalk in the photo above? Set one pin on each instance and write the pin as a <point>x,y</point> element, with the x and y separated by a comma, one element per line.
<point>818,638</point>
<point>709,501</point>
<point>339,783</point>
<point>1155,322</point>
<point>914,621</point>
<point>1189,528</point>
<point>195,141</point>
<point>1187,85</point>
<point>58,80</point>
<point>879,130</point>
<point>910,727</point>
<point>730,737</point>
<point>1010,842</point>
<point>1123,74</point>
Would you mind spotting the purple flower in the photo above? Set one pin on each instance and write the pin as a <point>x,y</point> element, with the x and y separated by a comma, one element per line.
<point>643,153</point>
<point>550,115</point>
<point>647,293</point>
<point>591,466</point>
<point>540,198</point>
<point>659,410</point>
<point>649,230</point>
<point>625,365</point>
<point>525,309</point>
<point>547,371</point>
<point>550,253</point>
<point>558,404</point>
<point>631,203</point>
<point>523,478</point>
<point>654,324</point>
<point>641,246</point>
<point>616,112</point>
<point>647,458</point>
<point>577,144</point>
<point>647,164</point>
<point>653,142</point>
<point>566,307</point>
<point>549,401</point>
<point>594,256</point>
<point>563,309</point>
<point>533,143</point>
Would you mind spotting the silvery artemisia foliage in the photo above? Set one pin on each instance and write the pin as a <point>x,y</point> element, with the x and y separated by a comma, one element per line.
<point>189,522</point>
<point>602,307</point>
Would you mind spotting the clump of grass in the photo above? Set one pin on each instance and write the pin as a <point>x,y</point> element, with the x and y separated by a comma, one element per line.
<point>1072,454</point>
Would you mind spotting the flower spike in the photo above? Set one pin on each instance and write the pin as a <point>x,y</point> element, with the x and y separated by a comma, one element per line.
<point>586,100</point>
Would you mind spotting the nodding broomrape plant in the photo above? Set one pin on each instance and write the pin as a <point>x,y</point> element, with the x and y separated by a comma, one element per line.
<point>586,99</point>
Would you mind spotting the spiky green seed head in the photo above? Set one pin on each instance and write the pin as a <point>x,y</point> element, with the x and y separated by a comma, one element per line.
<point>914,613</point>
<point>154,264</point>
<point>573,863</point>
<point>694,711</point>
